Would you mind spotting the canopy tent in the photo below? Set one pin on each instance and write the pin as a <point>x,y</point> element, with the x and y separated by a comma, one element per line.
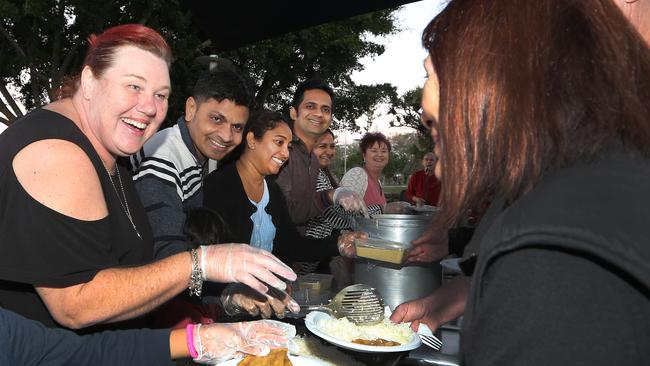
<point>234,24</point>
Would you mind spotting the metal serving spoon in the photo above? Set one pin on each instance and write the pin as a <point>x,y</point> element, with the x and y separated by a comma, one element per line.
<point>360,304</point>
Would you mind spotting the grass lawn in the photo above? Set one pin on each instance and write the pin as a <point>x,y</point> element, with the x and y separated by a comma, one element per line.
<point>394,189</point>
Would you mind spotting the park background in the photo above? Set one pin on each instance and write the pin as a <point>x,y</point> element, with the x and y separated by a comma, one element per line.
<point>373,61</point>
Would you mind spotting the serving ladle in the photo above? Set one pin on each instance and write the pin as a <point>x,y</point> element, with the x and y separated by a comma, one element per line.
<point>360,304</point>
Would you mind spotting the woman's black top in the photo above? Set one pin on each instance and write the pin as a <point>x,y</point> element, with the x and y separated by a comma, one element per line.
<point>223,192</point>
<point>42,247</point>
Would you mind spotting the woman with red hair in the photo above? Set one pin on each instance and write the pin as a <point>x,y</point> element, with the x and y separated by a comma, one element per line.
<point>75,241</point>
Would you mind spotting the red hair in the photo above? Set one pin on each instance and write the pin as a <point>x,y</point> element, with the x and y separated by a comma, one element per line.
<point>102,48</point>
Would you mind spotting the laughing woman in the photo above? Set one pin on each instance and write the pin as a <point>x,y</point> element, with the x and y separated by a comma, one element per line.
<point>252,204</point>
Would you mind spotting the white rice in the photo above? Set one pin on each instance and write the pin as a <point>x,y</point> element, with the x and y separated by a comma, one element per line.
<point>345,330</point>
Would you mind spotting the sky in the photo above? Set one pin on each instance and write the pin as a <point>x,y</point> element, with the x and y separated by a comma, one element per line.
<point>401,63</point>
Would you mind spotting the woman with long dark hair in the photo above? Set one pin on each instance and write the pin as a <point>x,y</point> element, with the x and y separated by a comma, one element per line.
<point>544,104</point>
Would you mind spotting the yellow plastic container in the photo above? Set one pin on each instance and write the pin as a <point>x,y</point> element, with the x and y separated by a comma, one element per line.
<point>315,281</point>
<point>382,250</point>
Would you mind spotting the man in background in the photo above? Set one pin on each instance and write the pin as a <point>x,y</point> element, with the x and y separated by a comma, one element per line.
<point>423,186</point>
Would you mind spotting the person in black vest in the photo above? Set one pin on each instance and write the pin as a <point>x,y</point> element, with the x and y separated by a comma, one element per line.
<point>544,104</point>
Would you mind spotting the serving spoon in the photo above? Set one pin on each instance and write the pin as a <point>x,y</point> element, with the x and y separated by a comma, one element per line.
<point>360,304</point>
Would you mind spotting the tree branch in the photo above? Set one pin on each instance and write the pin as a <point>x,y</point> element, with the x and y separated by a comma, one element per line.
<point>57,78</point>
<point>56,45</point>
<point>12,41</point>
<point>4,110</point>
<point>10,101</point>
<point>264,89</point>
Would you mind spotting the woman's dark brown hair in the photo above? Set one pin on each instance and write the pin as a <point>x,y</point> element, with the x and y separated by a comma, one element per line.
<point>370,139</point>
<point>528,87</point>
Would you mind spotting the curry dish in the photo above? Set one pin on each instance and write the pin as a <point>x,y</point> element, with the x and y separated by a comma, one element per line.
<point>277,357</point>
<point>376,342</point>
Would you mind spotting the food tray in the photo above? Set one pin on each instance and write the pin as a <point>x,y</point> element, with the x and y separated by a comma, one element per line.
<point>382,250</point>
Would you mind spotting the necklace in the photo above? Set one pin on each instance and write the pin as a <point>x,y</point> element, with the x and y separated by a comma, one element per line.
<point>125,205</point>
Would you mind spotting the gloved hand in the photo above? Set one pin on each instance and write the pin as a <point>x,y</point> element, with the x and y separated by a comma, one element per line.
<point>350,200</point>
<point>237,298</point>
<point>218,342</point>
<point>346,245</point>
<point>419,201</point>
<point>399,207</point>
<point>244,263</point>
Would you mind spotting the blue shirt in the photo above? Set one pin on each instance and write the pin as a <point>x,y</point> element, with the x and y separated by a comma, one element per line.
<point>263,228</point>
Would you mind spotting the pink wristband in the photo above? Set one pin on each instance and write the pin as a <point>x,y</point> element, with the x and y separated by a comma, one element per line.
<point>189,337</point>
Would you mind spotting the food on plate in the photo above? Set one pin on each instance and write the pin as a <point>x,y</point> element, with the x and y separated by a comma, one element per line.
<point>345,330</point>
<point>311,347</point>
<point>376,342</point>
<point>277,357</point>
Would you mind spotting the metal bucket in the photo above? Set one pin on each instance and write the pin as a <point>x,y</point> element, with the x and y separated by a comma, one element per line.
<point>397,283</point>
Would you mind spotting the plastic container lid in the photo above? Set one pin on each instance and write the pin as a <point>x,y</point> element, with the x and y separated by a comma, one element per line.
<point>382,250</point>
<point>371,242</point>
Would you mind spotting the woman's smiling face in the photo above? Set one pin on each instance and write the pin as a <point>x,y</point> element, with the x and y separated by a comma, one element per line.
<point>376,157</point>
<point>272,150</point>
<point>128,102</point>
<point>325,149</point>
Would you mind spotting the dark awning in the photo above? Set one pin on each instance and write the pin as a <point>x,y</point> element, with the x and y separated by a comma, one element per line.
<point>238,23</point>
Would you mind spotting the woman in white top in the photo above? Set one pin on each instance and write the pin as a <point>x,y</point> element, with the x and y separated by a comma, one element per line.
<point>375,149</point>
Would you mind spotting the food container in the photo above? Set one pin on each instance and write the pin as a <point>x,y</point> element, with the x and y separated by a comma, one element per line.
<point>382,250</point>
<point>397,282</point>
<point>315,282</point>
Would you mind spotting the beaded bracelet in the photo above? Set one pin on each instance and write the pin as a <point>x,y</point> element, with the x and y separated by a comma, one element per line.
<point>196,278</point>
<point>189,338</point>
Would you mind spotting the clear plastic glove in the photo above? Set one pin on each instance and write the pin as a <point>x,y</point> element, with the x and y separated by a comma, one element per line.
<point>399,207</point>
<point>246,264</point>
<point>237,298</point>
<point>350,200</point>
<point>346,245</point>
<point>419,201</point>
<point>219,342</point>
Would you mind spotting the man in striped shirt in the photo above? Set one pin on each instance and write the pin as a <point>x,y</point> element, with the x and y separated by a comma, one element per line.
<point>168,170</point>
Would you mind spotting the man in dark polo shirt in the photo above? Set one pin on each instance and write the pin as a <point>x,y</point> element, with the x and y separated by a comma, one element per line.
<point>311,112</point>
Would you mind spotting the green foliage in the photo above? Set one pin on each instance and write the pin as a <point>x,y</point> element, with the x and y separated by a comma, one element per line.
<point>331,51</point>
<point>406,110</point>
<point>44,40</point>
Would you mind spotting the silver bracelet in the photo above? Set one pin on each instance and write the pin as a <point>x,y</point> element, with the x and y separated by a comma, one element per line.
<point>196,278</point>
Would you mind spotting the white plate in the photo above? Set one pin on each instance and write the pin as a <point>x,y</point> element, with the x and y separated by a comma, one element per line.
<point>315,316</point>
<point>295,360</point>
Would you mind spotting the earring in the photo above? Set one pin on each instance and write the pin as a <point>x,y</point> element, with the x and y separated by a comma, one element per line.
<point>251,146</point>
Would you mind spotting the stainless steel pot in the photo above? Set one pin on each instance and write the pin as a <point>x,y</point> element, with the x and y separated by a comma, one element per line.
<point>397,283</point>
